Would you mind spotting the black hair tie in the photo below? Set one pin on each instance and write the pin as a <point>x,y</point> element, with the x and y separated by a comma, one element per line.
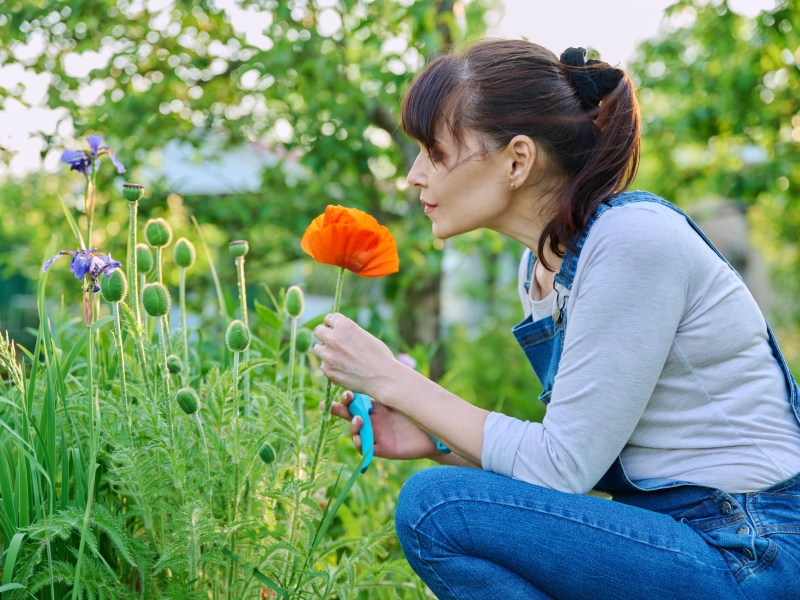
<point>592,83</point>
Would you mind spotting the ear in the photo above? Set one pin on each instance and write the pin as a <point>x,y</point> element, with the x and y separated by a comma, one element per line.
<point>520,156</point>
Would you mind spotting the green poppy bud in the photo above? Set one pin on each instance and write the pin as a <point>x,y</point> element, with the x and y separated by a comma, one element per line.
<point>174,364</point>
<point>187,399</point>
<point>237,337</point>
<point>294,301</point>
<point>133,192</point>
<point>158,233</point>
<point>184,253</point>
<point>267,454</point>
<point>239,247</point>
<point>115,286</point>
<point>144,258</point>
<point>302,342</point>
<point>155,299</point>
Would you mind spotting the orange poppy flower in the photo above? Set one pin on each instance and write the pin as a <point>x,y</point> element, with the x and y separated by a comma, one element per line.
<point>351,239</point>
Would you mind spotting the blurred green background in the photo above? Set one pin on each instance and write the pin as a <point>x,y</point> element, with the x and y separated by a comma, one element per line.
<point>253,134</point>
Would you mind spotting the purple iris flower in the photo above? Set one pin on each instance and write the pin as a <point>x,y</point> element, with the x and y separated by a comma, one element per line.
<point>88,262</point>
<point>77,161</point>
<point>81,161</point>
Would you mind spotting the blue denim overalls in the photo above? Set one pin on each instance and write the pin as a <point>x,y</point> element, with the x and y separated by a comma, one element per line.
<point>747,528</point>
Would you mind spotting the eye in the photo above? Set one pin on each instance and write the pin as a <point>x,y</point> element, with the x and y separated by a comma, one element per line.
<point>436,155</point>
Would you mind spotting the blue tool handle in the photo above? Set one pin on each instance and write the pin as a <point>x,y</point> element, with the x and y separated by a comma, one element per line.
<point>439,445</point>
<point>361,406</point>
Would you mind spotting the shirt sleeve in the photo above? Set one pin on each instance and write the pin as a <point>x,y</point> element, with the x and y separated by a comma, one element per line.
<point>630,297</point>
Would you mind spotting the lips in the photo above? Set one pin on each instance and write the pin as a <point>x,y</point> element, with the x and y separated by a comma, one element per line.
<point>428,207</point>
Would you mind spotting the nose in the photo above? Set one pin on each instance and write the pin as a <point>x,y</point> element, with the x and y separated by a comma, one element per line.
<point>416,175</point>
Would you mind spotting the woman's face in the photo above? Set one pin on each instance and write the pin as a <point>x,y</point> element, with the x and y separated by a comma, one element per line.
<point>462,187</point>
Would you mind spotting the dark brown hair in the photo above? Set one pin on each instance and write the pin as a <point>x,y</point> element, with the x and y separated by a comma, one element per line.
<point>504,88</point>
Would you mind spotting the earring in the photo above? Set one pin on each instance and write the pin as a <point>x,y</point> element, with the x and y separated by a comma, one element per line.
<point>513,184</point>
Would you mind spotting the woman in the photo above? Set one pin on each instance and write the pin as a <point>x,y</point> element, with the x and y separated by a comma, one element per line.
<point>664,384</point>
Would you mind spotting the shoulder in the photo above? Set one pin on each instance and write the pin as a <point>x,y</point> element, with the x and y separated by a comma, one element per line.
<point>644,226</point>
<point>642,240</point>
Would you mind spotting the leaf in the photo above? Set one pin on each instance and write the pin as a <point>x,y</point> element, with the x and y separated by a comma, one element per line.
<point>72,224</point>
<point>257,574</point>
<point>11,557</point>
<point>269,316</point>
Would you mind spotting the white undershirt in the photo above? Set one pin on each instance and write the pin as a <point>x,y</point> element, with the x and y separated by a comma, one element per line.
<point>665,363</point>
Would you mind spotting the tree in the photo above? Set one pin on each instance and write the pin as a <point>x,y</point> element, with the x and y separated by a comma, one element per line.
<point>319,82</point>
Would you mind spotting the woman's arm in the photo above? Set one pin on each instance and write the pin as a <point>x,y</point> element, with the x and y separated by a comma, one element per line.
<point>356,360</point>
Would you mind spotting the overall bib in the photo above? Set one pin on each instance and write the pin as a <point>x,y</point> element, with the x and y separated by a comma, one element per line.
<point>744,527</point>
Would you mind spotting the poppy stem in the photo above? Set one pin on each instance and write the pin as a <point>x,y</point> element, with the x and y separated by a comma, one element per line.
<point>326,411</point>
<point>133,264</point>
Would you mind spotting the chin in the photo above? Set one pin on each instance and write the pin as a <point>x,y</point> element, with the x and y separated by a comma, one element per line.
<point>440,233</point>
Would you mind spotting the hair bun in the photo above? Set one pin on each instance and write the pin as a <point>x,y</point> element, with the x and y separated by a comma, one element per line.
<point>592,79</point>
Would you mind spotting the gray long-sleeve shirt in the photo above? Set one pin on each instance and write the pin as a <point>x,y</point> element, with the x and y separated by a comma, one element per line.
<point>666,363</point>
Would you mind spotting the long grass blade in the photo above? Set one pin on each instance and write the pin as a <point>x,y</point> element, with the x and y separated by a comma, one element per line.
<point>73,225</point>
<point>11,559</point>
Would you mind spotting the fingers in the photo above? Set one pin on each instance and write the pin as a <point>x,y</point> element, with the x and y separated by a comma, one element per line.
<point>331,319</point>
<point>341,409</point>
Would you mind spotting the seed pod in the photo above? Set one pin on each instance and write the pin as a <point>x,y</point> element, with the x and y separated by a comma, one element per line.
<point>239,247</point>
<point>187,399</point>
<point>237,337</point>
<point>184,253</point>
<point>158,233</point>
<point>115,286</point>
<point>302,342</point>
<point>144,258</point>
<point>155,299</point>
<point>174,364</point>
<point>133,192</point>
<point>294,301</point>
<point>267,454</point>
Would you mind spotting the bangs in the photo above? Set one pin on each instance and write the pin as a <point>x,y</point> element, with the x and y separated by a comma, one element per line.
<point>436,99</point>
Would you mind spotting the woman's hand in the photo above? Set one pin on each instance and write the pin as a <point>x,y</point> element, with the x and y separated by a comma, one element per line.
<point>395,436</point>
<point>352,357</point>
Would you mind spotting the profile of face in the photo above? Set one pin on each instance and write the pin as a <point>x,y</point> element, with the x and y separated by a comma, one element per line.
<point>463,186</point>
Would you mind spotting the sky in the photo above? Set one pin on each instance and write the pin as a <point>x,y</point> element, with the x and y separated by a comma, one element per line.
<point>612,27</point>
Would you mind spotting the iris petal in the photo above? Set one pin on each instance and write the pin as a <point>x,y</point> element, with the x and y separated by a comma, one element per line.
<point>119,165</point>
<point>94,143</point>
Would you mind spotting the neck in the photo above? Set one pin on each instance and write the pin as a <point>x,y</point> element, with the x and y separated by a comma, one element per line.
<point>530,210</point>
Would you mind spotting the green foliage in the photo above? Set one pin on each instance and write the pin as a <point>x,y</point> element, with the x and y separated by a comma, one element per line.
<point>324,101</point>
<point>164,516</point>
<point>718,96</point>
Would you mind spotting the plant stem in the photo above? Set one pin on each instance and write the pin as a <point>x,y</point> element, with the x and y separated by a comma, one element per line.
<point>290,383</point>
<point>182,296</point>
<point>326,412</point>
<point>235,428</point>
<point>243,304</point>
<point>133,262</point>
<point>121,358</point>
<point>158,264</point>
<point>163,343</point>
<point>94,433</point>
<point>208,465</point>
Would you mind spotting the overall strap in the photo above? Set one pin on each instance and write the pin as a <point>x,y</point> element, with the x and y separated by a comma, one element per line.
<point>569,264</point>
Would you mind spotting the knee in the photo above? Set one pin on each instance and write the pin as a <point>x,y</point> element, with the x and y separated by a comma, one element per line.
<point>407,513</point>
<point>427,491</point>
<point>414,501</point>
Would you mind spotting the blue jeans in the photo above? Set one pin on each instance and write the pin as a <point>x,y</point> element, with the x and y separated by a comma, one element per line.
<point>474,534</point>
